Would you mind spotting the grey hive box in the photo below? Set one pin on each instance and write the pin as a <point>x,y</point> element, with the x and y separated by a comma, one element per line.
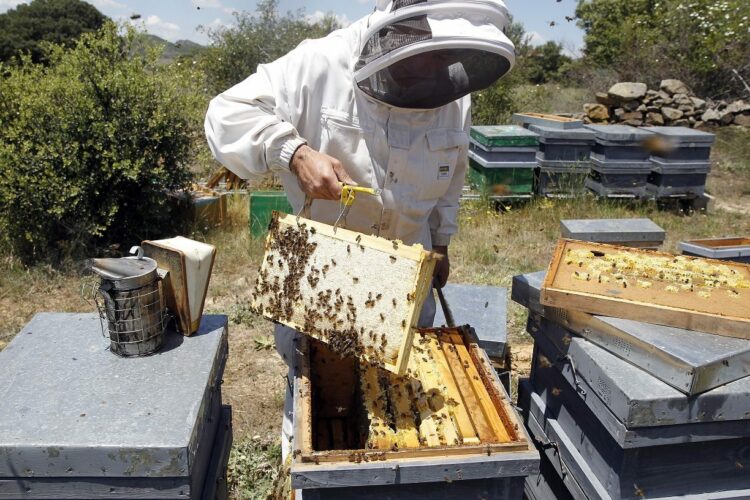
<point>698,365</point>
<point>593,466</point>
<point>641,233</point>
<point>619,143</point>
<point>77,421</point>
<point>684,144</point>
<point>637,399</point>
<point>484,308</point>
<point>535,119</point>
<point>734,249</point>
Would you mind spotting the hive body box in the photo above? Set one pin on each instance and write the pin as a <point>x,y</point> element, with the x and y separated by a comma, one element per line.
<point>639,233</point>
<point>482,307</point>
<point>420,470</point>
<point>700,364</point>
<point>723,310</point>
<point>546,120</point>
<point>79,422</point>
<point>360,294</point>
<point>734,249</point>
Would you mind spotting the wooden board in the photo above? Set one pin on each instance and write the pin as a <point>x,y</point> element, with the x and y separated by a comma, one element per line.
<point>360,294</point>
<point>685,292</point>
<point>421,414</point>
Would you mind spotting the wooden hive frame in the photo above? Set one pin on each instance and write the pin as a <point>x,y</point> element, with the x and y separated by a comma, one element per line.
<point>446,364</point>
<point>704,302</point>
<point>359,293</point>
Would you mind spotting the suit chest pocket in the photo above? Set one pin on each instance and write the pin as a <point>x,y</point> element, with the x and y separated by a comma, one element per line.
<point>438,161</point>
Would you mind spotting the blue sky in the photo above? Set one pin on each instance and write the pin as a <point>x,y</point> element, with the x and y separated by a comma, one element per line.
<point>178,19</point>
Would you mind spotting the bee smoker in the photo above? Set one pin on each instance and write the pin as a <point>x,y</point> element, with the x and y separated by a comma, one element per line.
<point>129,299</point>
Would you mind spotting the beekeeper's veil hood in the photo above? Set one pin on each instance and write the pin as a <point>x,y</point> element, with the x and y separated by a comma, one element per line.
<point>426,53</point>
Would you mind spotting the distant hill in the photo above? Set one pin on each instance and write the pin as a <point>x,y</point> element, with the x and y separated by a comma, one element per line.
<point>172,51</point>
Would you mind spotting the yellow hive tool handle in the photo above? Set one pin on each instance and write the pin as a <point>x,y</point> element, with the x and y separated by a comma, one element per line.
<point>348,193</point>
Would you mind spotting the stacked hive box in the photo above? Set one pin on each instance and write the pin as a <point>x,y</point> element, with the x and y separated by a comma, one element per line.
<point>502,160</point>
<point>680,169</point>
<point>563,160</point>
<point>620,162</point>
<point>444,429</point>
<point>77,421</point>
<point>624,409</point>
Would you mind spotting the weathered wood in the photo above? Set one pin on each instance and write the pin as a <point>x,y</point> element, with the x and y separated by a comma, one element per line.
<point>464,423</point>
<point>360,294</point>
<point>487,406</point>
<point>497,489</point>
<point>719,309</point>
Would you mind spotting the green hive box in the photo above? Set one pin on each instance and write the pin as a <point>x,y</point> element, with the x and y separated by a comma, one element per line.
<point>504,136</point>
<point>502,182</point>
<point>262,205</point>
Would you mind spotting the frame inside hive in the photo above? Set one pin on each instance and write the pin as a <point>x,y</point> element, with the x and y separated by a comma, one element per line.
<point>685,292</point>
<point>360,294</point>
<point>449,403</point>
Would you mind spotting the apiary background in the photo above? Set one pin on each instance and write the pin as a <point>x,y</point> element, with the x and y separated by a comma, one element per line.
<point>571,284</point>
<point>360,294</point>
<point>408,423</point>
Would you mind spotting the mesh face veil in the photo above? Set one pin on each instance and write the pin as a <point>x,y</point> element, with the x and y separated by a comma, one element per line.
<point>425,54</point>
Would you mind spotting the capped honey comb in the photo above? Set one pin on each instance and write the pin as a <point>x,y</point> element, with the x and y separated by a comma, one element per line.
<point>360,294</point>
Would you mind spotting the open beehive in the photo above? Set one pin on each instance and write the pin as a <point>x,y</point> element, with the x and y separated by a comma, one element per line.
<point>685,292</point>
<point>448,404</point>
<point>360,294</point>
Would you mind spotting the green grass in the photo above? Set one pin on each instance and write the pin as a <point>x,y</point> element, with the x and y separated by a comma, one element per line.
<point>254,469</point>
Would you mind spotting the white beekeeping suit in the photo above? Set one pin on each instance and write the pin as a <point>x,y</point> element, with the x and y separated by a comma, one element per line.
<point>389,98</point>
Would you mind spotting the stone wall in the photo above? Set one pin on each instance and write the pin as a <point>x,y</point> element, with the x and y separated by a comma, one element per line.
<point>672,105</point>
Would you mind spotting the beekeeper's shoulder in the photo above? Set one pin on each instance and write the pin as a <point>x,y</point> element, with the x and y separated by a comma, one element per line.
<point>336,51</point>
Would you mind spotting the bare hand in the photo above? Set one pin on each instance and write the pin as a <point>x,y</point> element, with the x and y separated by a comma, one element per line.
<point>442,267</point>
<point>318,174</point>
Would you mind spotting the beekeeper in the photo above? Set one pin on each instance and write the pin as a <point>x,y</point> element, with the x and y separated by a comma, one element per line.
<point>383,103</point>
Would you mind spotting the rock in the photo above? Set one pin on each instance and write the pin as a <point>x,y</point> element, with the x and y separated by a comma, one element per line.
<point>682,99</point>
<point>634,115</point>
<point>642,108</point>
<point>692,120</point>
<point>699,124</point>
<point>655,119</point>
<point>671,114</point>
<point>664,96</point>
<point>681,123</point>
<point>688,110</point>
<point>711,115</point>
<point>596,112</point>
<point>699,104</point>
<point>727,117</point>
<point>603,98</point>
<point>633,123</point>
<point>738,107</point>
<point>673,87</point>
<point>619,112</point>
<point>742,120</point>
<point>631,105</point>
<point>652,94</point>
<point>627,91</point>
<point>654,109</point>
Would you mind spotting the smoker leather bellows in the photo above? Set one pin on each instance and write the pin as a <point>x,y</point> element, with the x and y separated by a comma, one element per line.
<point>132,303</point>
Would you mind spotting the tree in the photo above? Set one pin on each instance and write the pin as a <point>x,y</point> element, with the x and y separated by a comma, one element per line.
<point>27,27</point>
<point>543,63</point>
<point>92,144</point>
<point>698,41</point>
<point>262,37</point>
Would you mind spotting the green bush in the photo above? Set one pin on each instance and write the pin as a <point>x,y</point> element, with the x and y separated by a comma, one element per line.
<point>91,145</point>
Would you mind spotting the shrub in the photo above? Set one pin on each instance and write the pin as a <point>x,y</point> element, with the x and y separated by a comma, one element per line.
<point>91,145</point>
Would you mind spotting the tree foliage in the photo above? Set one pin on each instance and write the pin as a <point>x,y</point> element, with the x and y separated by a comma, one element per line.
<point>698,41</point>
<point>28,27</point>
<point>91,144</point>
<point>545,63</point>
<point>257,38</point>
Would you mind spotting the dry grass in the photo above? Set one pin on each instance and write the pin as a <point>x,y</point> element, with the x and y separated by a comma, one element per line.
<point>490,249</point>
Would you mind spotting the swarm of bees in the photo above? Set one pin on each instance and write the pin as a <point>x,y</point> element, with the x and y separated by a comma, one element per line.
<point>671,274</point>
